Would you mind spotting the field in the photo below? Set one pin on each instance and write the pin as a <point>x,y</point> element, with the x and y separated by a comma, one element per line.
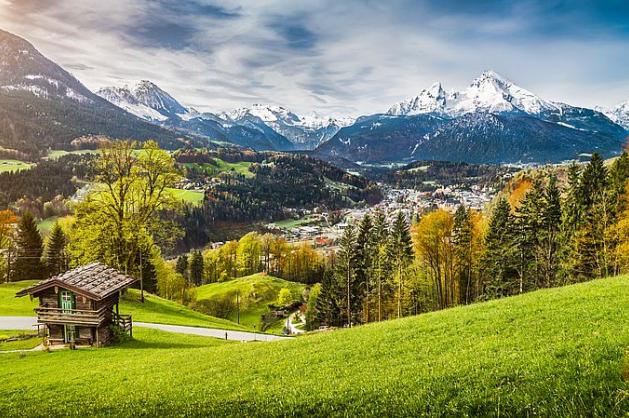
<point>189,196</point>
<point>222,166</point>
<point>56,154</point>
<point>7,166</point>
<point>256,293</point>
<point>154,308</point>
<point>25,344</point>
<point>294,223</point>
<point>45,226</point>
<point>555,352</point>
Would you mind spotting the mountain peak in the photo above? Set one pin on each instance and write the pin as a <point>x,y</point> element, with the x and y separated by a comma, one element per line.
<point>490,92</point>
<point>145,100</point>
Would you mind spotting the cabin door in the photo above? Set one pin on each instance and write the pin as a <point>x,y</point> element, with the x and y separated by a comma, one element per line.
<point>67,304</point>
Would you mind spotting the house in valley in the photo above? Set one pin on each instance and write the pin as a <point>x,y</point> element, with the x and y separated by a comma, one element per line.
<point>81,305</point>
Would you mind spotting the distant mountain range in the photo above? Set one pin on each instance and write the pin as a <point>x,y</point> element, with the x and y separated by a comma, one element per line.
<point>259,127</point>
<point>42,105</point>
<point>493,120</point>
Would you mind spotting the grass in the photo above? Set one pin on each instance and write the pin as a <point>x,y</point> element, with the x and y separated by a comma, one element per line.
<point>12,306</point>
<point>189,196</point>
<point>256,293</point>
<point>25,344</point>
<point>7,166</point>
<point>154,309</point>
<point>557,352</point>
<point>163,311</point>
<point>56,154</point>
<point>222,166</point>
<point>45,226</point>
<point>294,223</point>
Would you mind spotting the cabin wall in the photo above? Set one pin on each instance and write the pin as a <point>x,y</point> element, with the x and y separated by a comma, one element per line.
<point>109,302</point>
<point>48,298</point>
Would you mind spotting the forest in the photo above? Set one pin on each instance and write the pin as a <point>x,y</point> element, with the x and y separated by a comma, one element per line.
<point>549,227</point>
<point>540,234</point>
<point>428,175</point>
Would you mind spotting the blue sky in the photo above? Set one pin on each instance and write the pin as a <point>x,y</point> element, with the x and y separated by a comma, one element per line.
<point>334,57</point>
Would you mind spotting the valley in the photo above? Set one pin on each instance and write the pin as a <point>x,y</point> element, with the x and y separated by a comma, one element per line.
<point>195,221</point>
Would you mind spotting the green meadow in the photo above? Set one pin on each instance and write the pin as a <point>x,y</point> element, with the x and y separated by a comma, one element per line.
<point>154,309</point>
<point>256,292</point>
<point>7,166</point>
<point>557,352</point>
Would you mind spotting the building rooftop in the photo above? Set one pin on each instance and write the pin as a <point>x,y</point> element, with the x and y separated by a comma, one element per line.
<point>96,281</point>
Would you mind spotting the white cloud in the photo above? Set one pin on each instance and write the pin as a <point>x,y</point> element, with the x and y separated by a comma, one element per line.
<point>334,57</point>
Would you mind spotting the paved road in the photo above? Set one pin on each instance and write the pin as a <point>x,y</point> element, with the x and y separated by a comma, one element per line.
<point>28,322</point>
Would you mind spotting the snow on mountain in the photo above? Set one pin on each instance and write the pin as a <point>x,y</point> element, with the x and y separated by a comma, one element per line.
<point>618,114</point>
<point>24,69</point>
<point>306,131</point>
<point>147,101</point>
<point>488,93</point>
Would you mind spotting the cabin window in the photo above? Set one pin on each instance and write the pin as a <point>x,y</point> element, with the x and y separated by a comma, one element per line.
<point>67,301</point>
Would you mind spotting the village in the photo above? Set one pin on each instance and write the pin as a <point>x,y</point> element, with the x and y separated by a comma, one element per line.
<point>324,228</point>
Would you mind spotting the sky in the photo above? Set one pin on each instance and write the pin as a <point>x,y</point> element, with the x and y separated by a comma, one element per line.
<point>336,57</point>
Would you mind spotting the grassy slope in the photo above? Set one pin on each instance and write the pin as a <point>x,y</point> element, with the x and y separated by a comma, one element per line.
<point>551,353</point>
<point>189,196</point>
<point>13,165</point>
<point>154,309</point>
<point>256,292</point>
<point>222,166</point>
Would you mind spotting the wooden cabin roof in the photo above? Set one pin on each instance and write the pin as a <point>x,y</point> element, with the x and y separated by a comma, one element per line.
<point>96,281</point>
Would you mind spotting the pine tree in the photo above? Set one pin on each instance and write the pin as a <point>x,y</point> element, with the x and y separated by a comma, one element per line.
<point>571,221</point>
<point>28,265</point>
<point>462,240</point>
<point>400,251</point>
<point>55,253</point>
<point>382,263</point>
<point>196,268</point>
<point>528,224</point>
<point>345,274</point>
<point>591,257</point>
<point>366,250</point>
<point>617,203</point>
<point>497,262</point>
<point>182,265</point>
<point>328,302</point>
<point>550,230</point>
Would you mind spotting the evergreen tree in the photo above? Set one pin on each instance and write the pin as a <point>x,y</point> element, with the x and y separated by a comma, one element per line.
<point>55,253</point>
<point>550,230</point>
<point>571,220</point>
<point>196,268</point>
<point>400,251</point>
<point>591,256</point>
<point>182,265</point>
<point>497,260</point>
<point>345,274</point>
<point>28,265</point>
<point>381,263</point>
<point>366,251</point>
<point>328,306</point>
<point>528,225</point>
<point>462,240</point>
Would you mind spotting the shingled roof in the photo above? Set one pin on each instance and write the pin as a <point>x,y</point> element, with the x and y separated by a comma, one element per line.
<point>96,281</point>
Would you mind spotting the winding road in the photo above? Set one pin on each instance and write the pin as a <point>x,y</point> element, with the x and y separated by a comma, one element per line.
<point>27,322</point>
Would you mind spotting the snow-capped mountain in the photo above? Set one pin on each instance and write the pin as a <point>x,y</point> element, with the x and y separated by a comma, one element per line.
<point>147,101</point>
<point>43,106</point>
<point>305,131</point>
<point>492,120</point>
<point>490,92</point>
<point>619,114</point>
<point>151,103</point>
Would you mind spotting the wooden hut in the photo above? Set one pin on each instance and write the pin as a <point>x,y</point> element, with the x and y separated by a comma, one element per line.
<point>80,305</point>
